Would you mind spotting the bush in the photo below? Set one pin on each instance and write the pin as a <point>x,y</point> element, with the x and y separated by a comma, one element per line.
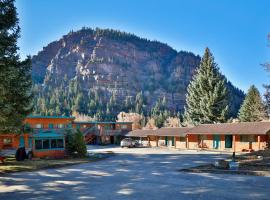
<point>75,144</point>
<point>70,142</point>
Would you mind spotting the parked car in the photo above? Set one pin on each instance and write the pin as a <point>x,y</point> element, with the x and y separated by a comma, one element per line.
<point>128,142</point>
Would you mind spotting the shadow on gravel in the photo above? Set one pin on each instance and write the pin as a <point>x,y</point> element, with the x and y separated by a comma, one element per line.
<point>125,176</point>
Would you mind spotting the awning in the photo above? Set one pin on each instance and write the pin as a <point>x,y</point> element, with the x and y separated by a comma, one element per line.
<point>48,134</point>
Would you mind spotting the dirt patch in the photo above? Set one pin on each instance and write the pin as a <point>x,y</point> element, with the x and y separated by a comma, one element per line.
<point>255,163</point>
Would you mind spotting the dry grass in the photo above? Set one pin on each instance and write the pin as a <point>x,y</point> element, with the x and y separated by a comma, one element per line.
<point>11,165</point>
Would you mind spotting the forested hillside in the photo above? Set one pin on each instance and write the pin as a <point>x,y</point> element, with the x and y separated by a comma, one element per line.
<point>102,72</point>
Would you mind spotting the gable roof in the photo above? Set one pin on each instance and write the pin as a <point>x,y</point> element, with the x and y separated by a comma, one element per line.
<point>97,122</point>
<point>240,128</point>
<point>141,133</point>
<point>177,131</point>
<point>48,117</point>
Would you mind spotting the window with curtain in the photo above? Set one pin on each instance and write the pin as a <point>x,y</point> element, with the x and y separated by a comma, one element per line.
<point>39,126</point>
<point>49,144</point>
<point>61,126</point>
<point>247,138</point>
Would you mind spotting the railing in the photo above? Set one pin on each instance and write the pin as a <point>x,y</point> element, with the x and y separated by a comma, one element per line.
<point>89,138</point>
<point>93,129</point>
<point>111,132</point>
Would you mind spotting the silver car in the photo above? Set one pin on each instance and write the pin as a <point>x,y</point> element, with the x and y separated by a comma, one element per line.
<point>128,142</point>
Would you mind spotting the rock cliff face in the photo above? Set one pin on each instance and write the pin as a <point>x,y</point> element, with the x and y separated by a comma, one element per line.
<point>108,67</point>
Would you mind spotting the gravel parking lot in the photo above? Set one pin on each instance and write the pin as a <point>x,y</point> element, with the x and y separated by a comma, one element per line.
<point>139,173</point>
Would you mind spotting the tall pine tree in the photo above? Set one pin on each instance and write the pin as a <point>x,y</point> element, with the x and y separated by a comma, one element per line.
<point>252,109</point>
<point>206,99</point>
<point>267,86</point>
<point>15,76</point>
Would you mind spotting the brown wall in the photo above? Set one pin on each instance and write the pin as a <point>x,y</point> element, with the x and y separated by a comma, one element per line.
<point>112,126</point>
<point>180,144</point>
<point>152,141</point>
<point>238,146</point>
<point>46,121</point>
<point>49,153</point>
<point>15,140</point>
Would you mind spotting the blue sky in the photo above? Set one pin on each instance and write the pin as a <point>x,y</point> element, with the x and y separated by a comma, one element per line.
<point>235,30</point>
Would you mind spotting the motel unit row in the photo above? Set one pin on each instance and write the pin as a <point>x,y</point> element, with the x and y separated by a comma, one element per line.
<point>241,136</point>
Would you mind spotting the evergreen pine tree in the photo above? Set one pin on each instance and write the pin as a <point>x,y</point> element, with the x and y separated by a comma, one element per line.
<point>252,108</point>
<point>15,76</point>
<point>267,98</point>
<point>206,99</point>
<point>139,102</point>
<point>79,144</point>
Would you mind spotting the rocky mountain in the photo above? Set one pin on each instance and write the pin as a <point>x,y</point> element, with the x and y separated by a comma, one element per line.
<point>102,72</point>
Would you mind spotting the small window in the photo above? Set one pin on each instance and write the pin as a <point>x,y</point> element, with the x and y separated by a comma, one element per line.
<point>46,144</point>
<point>7,140</point>
<point>38,125</point>
<point>108,127</point>
<point>124,126</point>
<point>60,143</point>
<point>51,126</point>
<point>182,139</point>
<point>61,125</point>
<point>202,137</point>
<point>53,143</point>
<point>38,144</point>
<point>69,125</point>
<point>78,126</point>
<point>57,143</point>
<point>247,138</point>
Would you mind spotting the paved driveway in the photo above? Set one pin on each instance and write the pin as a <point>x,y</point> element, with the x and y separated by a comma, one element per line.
<point>134,174</point>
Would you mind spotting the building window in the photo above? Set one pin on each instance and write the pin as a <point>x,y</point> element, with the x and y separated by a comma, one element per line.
<point>45,144</point>
<point>69,125</point>
<point>7,140</point>
<point>124,126</point>
<point>247,138</point>
<point>38,125</point>
<point>202,137</point>
<point>51,126</point>
<point>57,143</point>
<point>60,143</point>
<point>27,126</point>
<point>49,144</point>
<point>107,127</point>
<point>78,126</point>
<point>38,144</point>
<point>182,139</point>
<point>61,126</point>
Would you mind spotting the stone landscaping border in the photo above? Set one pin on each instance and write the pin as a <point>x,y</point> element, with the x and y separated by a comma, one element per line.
<point>222,171</point>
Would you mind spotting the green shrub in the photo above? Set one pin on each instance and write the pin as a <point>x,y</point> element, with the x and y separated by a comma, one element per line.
<point>75,144</point>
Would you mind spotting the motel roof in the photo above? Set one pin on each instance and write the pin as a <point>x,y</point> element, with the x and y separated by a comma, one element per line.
<point>239,128</point>
<point>96,122</point>
<point>141,133</point>
<point>177,131</point>
<point>49,117</point>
